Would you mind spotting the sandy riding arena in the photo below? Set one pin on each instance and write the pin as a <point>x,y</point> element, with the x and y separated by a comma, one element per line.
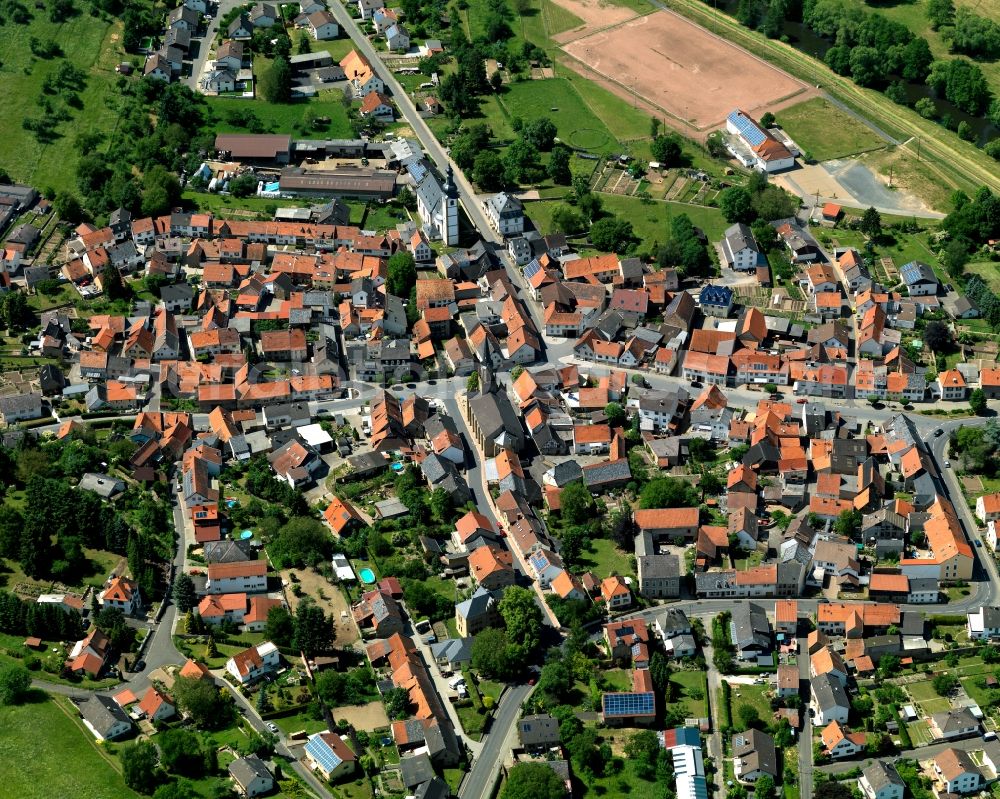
<point>596,14</point>
<point>683,70</point>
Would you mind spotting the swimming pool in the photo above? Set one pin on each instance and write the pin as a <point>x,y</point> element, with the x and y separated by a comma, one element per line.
<point>246,534</point>
<point>232,502</point>
<point>367,576</point>
<point>272,186</point>
<point>397,467</point>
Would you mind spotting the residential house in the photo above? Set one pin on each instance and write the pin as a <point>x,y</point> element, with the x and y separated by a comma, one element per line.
<point>104,717</point>
<point>328,754</point>
<point>250,776</point>
<point>477,613</point>
<point>253,663</point>
<point>828,700</point>
<point>839,742</point>
<point>754,755</point>
<point>880,780</point>
<point>957,772</point>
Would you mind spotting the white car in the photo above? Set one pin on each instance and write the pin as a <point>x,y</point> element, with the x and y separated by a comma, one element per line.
<point>272,727</point>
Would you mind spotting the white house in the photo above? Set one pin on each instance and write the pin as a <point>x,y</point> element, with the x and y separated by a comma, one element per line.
<point>740,248</point>
<point>880,780</point>
<point>122,594</point>
<point>919,278</point>
<point>957,772</point>
<point>243,577</point>
<point>158,68</point>
<point>397,38</point>
<point>828,700</point>
<point>838,742</point>
<point>760,149</point>
<point>367,7</point>
<point>505,214</point>
<point>984,624</point>
<point>104,718</point>
<point>988,507</point>
<point>219,81</point>
<point>251,664</point>
<point>250,776</point>
<point>330,755</point>
<point>323,25</point>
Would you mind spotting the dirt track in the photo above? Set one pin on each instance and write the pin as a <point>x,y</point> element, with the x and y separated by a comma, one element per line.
<point>681,70</point>
<point>596,14</point>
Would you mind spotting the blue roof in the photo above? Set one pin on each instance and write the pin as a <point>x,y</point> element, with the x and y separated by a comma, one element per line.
<point>687,736</point>
<point>321,752</point>
<point>630,704</point>
<point>748,129</point>
<point>716,295</point>
<point>916,270</point>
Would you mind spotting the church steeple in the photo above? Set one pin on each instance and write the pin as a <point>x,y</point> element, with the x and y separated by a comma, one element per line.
<point>450,188</point>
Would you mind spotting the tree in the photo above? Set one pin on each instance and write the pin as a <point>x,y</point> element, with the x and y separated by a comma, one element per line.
<point>643,748</point>
<point>472,382</point>
<point>533,781</point>
<point>867,65</point>
<point>488,171</point>
<point>667,492</point>
<point>68,208</point>
<point>566,220</point>
<point>831,789</point>
<point>666,150</point>
<point>768,120</point>
<point>276,81</point>
<point>540,133</point>
<point>611,234</point>
<point>181,752</point>
<point>748,715</point>
<point>615,413</point>
<point>558,168</point>
<point>301,541</point>
<point>962,83</point>
<point>955,257</point>
<point>140,766</point>
<point>763,788</point>
<point>208,707</point>
<point>940,13</point>
<point>15,682</point>
<point>977,401</point>
<point>576,503</point>
<point>492,656</point>
<point>520,161</point>
<point>944,683</point>
<point>736,204</point>
<point>280,626</point>
<point>848,523</point>
<point>314,631</point>
<point>974,35</point>
<point>937,336</point>
<point>185,596</point>
<point>871,224</point>
<point>402,274</point>
<point>523,621</point>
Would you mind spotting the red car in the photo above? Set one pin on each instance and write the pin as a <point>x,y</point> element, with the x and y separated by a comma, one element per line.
<point>802,401</point>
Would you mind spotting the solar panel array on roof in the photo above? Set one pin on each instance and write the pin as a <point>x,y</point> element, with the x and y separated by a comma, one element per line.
<point>629,704</point>
<point>532,269</point>
<point>748,129</point>
<point>321,752</point>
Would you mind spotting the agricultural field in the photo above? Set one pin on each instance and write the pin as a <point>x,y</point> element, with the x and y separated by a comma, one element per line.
<point>69,764</point>
<point>825,132</point>
<point>84,41</point>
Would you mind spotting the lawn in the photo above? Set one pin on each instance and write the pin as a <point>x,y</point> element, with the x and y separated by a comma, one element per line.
<point>920,691</point>
<point>604,558</point>
<point>286,118</point>
<point>473,720</point>
<point>576,122</point>
<point>86,42</point>
<point>826,132</point>
<point>752,695</point>
<point>989,272</point>
<point>68,764</point>
<point>617,679</point>
<point>651,222</point>
<point>919,732</point>
<point>625,783</point>
<point>692,682</point>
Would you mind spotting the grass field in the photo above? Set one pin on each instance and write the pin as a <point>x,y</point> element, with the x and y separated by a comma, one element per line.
<point>68,763</point>
<point>825,131</point>
<point>88,43</point>
<point>919,732</point>
<point>921,691</point>
<point>752,695</point>
<point>693,682</point>
<point>651,222</point>
<point>558,19</point>
<point>285,118</point>
<point>988,271</point>
<point>559,100</point>
<point>604,558</point>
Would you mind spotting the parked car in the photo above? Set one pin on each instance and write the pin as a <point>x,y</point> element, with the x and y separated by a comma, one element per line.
<point>938,432</point>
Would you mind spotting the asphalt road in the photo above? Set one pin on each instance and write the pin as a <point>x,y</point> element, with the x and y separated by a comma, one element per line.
<point>205,42</point>
<point>486,767</point>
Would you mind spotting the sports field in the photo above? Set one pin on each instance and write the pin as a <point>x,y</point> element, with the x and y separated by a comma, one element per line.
<point>683,70</point>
